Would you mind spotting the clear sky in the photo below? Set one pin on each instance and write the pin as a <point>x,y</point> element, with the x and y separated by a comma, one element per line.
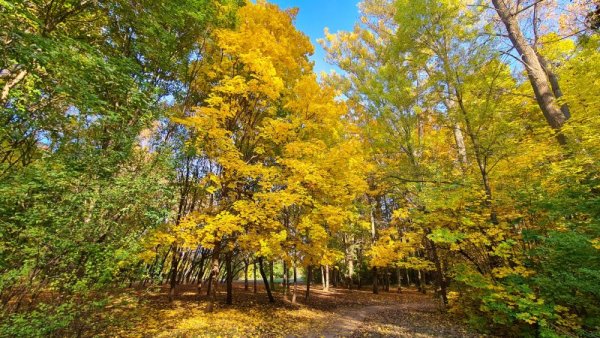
<point>315,15</point>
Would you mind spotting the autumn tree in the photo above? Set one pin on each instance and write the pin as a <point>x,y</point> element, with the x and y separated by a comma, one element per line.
<point>284,164</point>
<point>449,126</point>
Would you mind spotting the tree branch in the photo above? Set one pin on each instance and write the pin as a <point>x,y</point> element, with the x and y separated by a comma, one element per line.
<point>10,84</point>
<point>422,181</point>
<point>526,8</point>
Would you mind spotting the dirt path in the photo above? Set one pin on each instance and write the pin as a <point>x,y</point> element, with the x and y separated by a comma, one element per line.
<point>338,312</point>
<point>412,315</point>
<point>349,320</point>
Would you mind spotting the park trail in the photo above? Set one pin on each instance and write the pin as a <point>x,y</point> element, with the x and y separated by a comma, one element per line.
<point>338,312</point>
<point>411,314</point>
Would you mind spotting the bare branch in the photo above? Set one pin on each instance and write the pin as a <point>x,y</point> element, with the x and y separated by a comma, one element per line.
<point>10,84</point>
<point>526,8</point>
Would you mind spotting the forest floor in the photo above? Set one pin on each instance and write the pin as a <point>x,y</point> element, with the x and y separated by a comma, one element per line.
<point>334,313</point>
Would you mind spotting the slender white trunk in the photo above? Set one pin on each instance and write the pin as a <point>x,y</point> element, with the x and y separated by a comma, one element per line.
<point>326,277</point>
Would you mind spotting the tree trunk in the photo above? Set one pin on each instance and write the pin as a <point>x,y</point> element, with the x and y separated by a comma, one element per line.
<point>271,279</point>
<point>553,79</point>
<point>441,283</point>
<point>162,263</point>
<point>375,281</point>
<point>421,282</point>
<point>460,145</point>
<point>265,281</point>
<point>254,275</point>
<point>564,108</point>
<point>246,286</point>
<point>373,237</point>
<point>174,264</point>
<point>285,281</point>
<point>332,278</point>
<point>535,71</point>
<point>308,278</point>
<point>183,265</point>
<point>229,271</point>
<point>350,272</point>
<point>358,277</point>
<point>209,281</point>
<point>480,157</point>
<point>326,278</point>
<point>214,281</point>
<point>295,284</point>
<point>387,280</point>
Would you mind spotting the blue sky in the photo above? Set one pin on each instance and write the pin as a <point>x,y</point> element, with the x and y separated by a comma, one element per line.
<point>315,15</point>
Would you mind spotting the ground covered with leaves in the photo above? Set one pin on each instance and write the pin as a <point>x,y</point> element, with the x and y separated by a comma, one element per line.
<point>338,312</point>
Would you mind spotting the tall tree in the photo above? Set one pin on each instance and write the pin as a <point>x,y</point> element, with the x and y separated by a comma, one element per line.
<point>543,80</point>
